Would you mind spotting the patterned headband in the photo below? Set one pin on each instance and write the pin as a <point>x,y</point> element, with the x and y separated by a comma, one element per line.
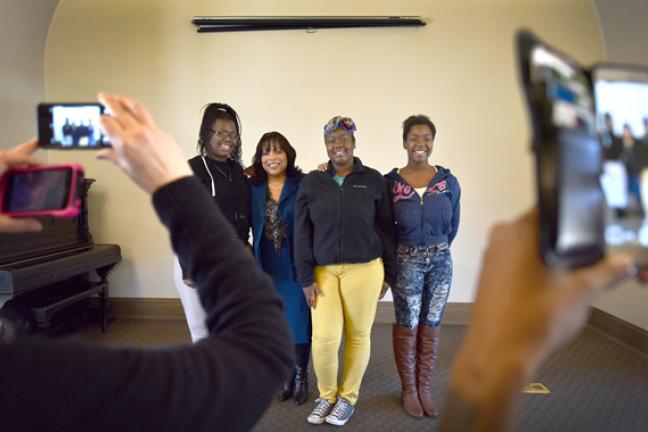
<point>339,122</point>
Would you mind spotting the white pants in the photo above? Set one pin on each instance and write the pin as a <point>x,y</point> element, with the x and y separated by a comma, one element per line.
<point>193,309</point>
<point>614,180</point>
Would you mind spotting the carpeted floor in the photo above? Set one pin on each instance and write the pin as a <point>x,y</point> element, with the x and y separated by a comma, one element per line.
<point>596,384</point>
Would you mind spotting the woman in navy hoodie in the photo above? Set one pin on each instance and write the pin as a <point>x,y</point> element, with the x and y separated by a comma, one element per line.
<point>425,202</point>
<point>275,182</point>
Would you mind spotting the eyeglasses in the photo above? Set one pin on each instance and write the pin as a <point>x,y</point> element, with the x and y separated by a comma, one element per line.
<point>420,138</point>
<point>342,139</point>
<point>222,135</point>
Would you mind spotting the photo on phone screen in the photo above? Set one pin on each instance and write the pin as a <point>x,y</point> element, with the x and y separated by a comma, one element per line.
<point>33,191</point>
<point>567,90</point>
<point>621,95</point>
<point>70,126</point>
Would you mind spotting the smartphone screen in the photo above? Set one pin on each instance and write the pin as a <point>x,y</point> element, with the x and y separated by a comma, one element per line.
<point>621,94</point>
<point>70,126</point>
<point>32,191</point>
<point>566,88</point>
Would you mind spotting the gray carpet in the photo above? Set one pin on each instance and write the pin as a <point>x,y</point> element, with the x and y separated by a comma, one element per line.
<point>596,384</point>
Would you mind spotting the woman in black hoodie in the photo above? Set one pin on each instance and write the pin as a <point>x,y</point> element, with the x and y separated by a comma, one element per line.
<point>218,167</point>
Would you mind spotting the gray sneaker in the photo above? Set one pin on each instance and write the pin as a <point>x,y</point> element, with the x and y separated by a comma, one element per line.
<point>322,409</point>
<point>341,413</point>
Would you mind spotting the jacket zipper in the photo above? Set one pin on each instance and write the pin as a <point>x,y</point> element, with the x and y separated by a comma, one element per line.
<point>339,220</point>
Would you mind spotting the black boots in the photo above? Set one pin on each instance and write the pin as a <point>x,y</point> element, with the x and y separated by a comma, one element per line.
<point>297,386</point>
<point>302,355</point>
<point>288,389</point>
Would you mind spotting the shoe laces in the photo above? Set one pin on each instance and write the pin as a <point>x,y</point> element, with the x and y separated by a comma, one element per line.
<point>322,407</point>
<point>340,407</point>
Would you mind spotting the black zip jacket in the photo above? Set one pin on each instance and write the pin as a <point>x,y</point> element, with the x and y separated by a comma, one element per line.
<point>232,194</point>
<point>351,223</point>
<point>222,383</point>
<point>232,191</point>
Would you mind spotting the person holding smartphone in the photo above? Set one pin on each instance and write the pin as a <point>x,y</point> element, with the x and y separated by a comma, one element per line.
<point>218,167</point>
<point>19,156</point>
<point>344,248</point>
<point>275,183</point>
<point>524,311</point>
<point>223,382</point>
<point>426,211</point>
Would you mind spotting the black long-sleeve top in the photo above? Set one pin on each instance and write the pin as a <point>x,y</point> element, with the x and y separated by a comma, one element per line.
<point>352,223</point>
<point>231,193</point>
<point>224,382</point>
<point>232,190</point>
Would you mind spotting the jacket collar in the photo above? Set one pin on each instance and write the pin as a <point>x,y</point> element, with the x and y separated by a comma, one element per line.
<point>357,166</point>
<point>441,174</point>
<point>290,187</point>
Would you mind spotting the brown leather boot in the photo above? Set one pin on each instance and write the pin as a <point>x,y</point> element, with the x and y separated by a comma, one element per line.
<point>427,353</point>
<point>405,354</point>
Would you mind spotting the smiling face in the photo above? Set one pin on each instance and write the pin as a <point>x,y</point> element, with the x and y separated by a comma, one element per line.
<point>339,147</point>
<point>419,143</point>
<point>274,159</point>
<point>223,139</point>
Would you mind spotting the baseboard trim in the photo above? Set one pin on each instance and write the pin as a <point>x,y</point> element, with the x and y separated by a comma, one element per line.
<point>147,308</point>
<point>171,309</point>
<point>620,330</point>
<point>455,313</point>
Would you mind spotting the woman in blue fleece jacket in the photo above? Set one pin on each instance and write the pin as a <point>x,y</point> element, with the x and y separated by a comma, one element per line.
<point>425,202</point>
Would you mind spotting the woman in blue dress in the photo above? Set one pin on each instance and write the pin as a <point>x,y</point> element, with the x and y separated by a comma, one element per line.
<point>275,181</point>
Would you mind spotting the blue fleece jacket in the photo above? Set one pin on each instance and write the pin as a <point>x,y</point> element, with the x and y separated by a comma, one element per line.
<point>430,219</point>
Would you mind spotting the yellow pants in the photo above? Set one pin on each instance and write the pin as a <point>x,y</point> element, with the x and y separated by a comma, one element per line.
<point>349,303</point>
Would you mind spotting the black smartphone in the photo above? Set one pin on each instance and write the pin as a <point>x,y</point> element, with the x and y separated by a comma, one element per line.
<point>47,190</point>
<point>568,160</point>
<point>621,94</point>
<point>70,125</point>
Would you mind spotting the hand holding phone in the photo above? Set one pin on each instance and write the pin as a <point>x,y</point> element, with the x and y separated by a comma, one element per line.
<point>46,190</point>
<point>590,139</point>
<point>19,155</point>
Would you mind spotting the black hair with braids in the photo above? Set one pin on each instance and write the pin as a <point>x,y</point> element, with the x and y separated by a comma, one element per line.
<point>211,113</point>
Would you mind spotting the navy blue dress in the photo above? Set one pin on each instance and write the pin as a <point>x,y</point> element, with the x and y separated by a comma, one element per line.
<point>279,262</point>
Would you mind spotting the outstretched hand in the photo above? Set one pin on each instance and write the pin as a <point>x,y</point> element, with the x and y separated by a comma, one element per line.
<point>523,312</point>
<point>148,154</point>
<point>526,303</point>
<point>17,156</point>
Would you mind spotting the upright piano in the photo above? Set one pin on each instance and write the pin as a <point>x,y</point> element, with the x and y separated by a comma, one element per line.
<point>43,273</point>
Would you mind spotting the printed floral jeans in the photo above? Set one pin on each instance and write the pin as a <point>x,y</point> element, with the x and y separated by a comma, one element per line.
<point>424,276</point>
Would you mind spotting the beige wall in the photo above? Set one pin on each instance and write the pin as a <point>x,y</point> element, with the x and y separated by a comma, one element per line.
<point>625,28</point>
<point>459,69</point>
<point>23,32</point>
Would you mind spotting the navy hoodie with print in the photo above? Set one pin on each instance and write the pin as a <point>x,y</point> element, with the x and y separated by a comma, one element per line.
<point>430,219</point>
